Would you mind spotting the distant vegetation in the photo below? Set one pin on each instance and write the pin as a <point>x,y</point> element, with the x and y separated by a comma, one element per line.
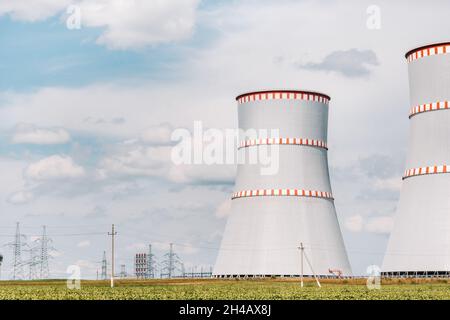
<point>270,289</point>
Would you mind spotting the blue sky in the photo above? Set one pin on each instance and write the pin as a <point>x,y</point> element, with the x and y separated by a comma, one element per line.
<point>48,54</point>
<point>87,115</point>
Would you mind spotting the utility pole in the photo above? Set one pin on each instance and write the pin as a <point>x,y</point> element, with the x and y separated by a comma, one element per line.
<point>1,261</point>
<point>303,253</point>
<point>301,263</point>
<point>112,234</point>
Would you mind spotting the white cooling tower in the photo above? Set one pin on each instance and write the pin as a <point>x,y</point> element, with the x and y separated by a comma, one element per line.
<point>272,214</point>
<point>419,243</point>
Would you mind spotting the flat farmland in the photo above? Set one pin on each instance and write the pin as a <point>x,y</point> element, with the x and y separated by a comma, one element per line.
<point>212,289</point>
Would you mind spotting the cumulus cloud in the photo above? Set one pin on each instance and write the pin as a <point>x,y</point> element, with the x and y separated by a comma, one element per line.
<point>139,23</point>
<point>54,167</point>
<point>126,24</point>
<point>158,134</point>
<point>350,63</point>
<point>32,11</point>
<point>30,134</point>
<point>136,161</point>
<point>20,197</point>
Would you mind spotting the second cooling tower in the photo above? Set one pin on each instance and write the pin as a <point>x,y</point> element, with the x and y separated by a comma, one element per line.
<point>273,213</point>
<point>420,241</point>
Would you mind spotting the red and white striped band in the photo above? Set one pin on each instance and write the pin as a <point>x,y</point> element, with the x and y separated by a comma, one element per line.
<point>282,192</point>
<point>440,105</point>
<point>287,95</point>
<point>428,51</point>
<point>294,141</point>
<point>426,170</point>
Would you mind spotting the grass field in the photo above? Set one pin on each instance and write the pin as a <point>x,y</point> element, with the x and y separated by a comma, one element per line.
<point>270,289</point>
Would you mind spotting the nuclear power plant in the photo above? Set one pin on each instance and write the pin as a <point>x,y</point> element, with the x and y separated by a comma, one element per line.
<point>273,215</point>
<point>420,241</point>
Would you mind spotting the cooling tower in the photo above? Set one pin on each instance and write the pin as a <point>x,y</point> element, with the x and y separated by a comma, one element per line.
<point>419,243</point>
<point>271,214</point>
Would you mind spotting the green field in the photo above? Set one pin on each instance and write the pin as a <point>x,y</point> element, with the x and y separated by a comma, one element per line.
<point>224,289</point>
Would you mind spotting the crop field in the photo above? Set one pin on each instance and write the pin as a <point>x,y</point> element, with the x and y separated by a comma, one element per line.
<point>225,289</point>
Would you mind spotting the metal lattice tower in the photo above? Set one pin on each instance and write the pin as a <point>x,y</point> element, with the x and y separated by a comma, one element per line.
<point>44,241</point>
<point>32,262</point>
<point>104,266</point>
<point>150,263</point>
<point>171,263</point>
<point>123,271</point>
<point>17,251</point>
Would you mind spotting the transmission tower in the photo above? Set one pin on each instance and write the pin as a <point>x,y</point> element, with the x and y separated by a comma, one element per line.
<point>32,262</point>
<point>104,266</point>
<point>17,252</point>
<point>123,271</point>
<point>171,263</point>
<point>44,241</point>
<point>150,263</point>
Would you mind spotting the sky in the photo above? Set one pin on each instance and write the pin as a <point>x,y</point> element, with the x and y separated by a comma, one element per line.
<point>91,91</point>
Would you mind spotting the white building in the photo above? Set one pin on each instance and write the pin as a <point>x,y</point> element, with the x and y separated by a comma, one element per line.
<point>272,214</point>
<point>420,241</point>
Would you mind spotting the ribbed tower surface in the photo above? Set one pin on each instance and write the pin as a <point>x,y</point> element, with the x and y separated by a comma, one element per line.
<point>420,240</point>
<point>272,214</point>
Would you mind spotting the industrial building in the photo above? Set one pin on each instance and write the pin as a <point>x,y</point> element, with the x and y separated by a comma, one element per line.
<point>272,215</point>
<point>141,265</point>
<point>419,244</point>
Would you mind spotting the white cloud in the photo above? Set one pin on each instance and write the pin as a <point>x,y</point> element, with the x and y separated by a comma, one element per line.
<point>54,167</point>
<point>28,133</point>
<point>139,23</point>
<point>83,244</point>
<point>382,225</point>
<point>127,24</point>
<point>20,197</point>
<point>136,161</point>
<point>158,135</point>
<point>224,209</point>
<point>32,11</point>
<point>350,63</point>
<point>354,223</point>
